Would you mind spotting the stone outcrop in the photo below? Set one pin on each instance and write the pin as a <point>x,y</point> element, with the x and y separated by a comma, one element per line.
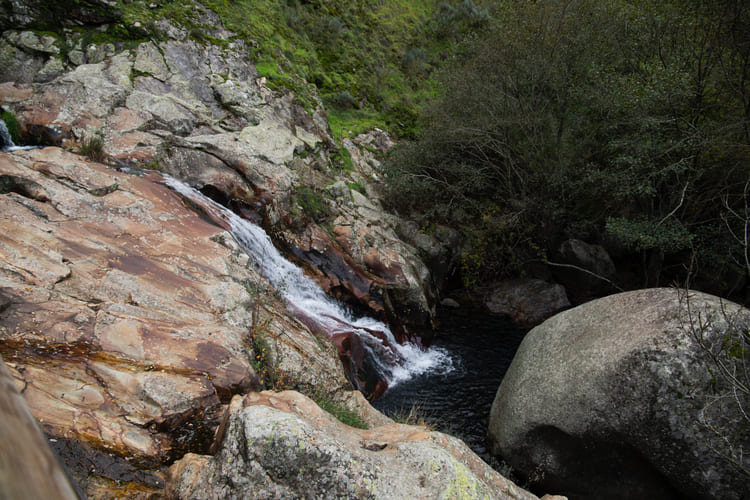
<point>525,302</point>
<point>123,315</point>
<point>201,112</point>
<point>584,269</point>
<point>610,400</point>
<point>281,445</point>
<point>28,467</point>
<point>15,14</point>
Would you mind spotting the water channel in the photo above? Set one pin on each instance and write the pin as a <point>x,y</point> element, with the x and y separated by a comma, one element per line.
<point>450,385</point>
<point>458,402</point>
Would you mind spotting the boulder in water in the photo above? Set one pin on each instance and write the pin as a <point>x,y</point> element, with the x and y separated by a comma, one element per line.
<point>584,269</point>
<point>605,401</point>
<point>526,302</point>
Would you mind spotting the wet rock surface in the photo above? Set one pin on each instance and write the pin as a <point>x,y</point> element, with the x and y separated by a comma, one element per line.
<point>201,112</point>
<point>123,315</point>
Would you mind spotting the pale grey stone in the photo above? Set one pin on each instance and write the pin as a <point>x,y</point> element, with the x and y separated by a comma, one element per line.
<point>605,400</point>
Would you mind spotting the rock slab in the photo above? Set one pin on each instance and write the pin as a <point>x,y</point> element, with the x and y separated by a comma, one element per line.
<point>281,445</point>
<point>605,400</point>
<point>124,315</point>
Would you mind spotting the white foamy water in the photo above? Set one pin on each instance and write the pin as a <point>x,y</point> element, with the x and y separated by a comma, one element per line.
<point>6,141</point>
<point>395,362</point>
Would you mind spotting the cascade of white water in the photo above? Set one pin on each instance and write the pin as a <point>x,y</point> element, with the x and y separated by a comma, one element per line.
<point>6,141</point>
<point>396,362</point>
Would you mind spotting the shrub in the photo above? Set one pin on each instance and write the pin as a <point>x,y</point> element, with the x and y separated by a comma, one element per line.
<point>342,100</point>
<point>358,187</point>
<point>589,114</point>
<point>311,202</point>
<point>93,148</point>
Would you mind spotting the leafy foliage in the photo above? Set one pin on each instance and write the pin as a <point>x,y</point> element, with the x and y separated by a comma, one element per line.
<point>627,118</point>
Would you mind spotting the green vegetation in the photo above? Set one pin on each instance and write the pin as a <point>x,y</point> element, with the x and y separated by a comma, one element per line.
<point>312,202</point>
<point>266,362</point>
<point>11,123</point>
<point>349,51</point>
<point>617,122</point>
<point>358,187</point>
<point>93,148</point>
<point>337,409</point>
<point>370,61</point>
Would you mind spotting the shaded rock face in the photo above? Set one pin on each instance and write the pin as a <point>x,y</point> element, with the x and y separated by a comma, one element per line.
<point>200,112</point>
<point>123,315</point>
<point>43,14</point>
<point>589,267</point>
<point>526,302</point>
<point>281,445</point>
<point>29,469</point>
<point>605,400</point>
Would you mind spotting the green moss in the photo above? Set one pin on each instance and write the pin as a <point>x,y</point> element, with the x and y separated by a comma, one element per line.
<point>311,202</point>
<point>11,122</point>
<point>351,122</point>
<point>342,160</point>
<point>357,186</point>
<point>464,484</point>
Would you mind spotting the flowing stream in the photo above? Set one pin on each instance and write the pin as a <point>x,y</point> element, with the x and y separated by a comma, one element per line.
<point>395,363</point>
<point>459,402</point>
<point>6,141</point>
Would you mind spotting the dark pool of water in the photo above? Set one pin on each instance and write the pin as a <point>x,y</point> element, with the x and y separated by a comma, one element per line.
<point>459,402</point>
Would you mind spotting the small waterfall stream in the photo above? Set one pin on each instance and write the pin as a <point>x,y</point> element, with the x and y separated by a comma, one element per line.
<point>6,141</point>
<point>394,362</point>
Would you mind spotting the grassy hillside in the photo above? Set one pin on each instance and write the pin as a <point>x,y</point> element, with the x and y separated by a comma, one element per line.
<point>371,61</point>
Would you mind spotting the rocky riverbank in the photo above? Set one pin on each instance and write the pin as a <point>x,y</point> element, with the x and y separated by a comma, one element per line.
<point>128,321</point>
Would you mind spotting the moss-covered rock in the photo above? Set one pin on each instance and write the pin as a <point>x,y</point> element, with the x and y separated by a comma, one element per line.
<point>281,445</point>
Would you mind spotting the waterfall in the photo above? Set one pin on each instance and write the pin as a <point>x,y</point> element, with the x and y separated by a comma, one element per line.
<point>394,362</point>
<point>6,141</point>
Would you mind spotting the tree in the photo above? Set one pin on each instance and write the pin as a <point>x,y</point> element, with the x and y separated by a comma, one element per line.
<point>604,120</point>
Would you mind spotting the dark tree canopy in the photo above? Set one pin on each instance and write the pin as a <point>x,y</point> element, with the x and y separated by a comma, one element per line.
<point>618,122</point>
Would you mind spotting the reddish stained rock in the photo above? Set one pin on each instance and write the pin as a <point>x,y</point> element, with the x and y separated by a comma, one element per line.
<point>335,270</point>
<point>122,312</point>
<point>11,92</point>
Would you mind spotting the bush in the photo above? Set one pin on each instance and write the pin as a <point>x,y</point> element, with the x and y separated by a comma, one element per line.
<point>342,100</point>
<point>93,148</point>
<point>311,202</point>
<point>588,114</point>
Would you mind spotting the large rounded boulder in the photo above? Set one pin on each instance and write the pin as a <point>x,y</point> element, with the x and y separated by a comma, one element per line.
<point>622,397</point>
